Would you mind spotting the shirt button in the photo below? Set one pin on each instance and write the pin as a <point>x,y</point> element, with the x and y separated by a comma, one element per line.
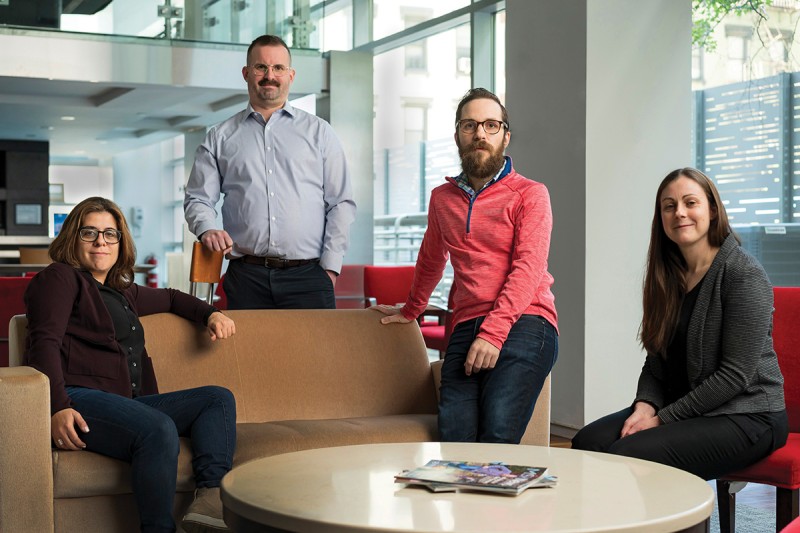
<point>133,328</point>
<point>130,348</point>
<point>134,364</point>
<point>269,148</point>
<point>272,194</point>
<point>270,171</point>
<point>273,219</point>
<point>273,243</point>
<point>267,127</point>
<point>133,384</point>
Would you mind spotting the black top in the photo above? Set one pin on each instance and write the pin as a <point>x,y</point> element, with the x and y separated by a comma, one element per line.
<point>128,332</point>
<point>677,376</point>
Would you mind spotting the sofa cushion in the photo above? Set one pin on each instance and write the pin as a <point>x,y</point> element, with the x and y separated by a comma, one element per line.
<point>80,474</point>
<point>255,441</point>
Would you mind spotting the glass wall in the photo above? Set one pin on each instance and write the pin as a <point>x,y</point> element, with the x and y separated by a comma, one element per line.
<point>298,22</point>
<point>745,136</point>
<point>393,16</point>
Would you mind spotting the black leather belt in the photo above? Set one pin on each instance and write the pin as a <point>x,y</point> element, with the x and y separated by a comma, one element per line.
<point>277,262</point>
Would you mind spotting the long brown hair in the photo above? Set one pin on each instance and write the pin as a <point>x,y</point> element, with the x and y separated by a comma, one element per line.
<point>665,280</point>
<point>64,247</point>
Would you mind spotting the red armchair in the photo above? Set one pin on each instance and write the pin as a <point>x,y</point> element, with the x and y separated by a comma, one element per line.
<point>349,288</point>
<point>438,336</point>
<point>388,285</point>
<point>793,527</point>
<point>12,290</point>
<point>782,468</point>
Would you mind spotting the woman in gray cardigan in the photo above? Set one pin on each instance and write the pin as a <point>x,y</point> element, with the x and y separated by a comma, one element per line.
<point>710,394</point>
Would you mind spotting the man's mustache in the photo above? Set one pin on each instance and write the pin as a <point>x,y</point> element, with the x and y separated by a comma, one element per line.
<point>264,82</point>
<point>480,144</point>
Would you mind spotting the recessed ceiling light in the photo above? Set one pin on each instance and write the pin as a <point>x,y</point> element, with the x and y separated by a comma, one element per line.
<point>67,117</point>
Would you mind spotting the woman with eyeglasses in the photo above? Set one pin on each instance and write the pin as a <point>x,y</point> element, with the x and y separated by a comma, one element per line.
<point>84,333</point>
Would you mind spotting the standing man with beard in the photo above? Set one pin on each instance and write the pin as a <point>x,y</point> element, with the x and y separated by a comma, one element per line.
<point>288,203</point>
<point>494,225</point>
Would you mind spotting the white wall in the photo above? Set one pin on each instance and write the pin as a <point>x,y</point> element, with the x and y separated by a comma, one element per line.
<point>81,182</point>
<point>599,96</point>
<point>638,125</point>
<point>149,178</point>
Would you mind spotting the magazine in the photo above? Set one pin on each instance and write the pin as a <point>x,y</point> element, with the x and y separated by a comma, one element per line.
<point>443,476</point>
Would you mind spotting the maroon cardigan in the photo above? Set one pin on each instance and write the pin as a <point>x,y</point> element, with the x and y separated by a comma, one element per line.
<point>71,336</point>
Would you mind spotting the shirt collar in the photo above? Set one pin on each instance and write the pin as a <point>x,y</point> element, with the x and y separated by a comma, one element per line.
<point>463,182</point>
<point>287,108</point>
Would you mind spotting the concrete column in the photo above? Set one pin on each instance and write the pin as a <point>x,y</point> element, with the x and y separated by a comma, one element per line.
<point>348,107</point>
<point>599,97</point>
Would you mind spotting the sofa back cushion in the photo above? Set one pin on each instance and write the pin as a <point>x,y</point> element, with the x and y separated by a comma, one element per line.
<point>299,364</point>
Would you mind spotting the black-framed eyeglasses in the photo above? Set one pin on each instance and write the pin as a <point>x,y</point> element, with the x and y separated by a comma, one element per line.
<point>490,126</point>
<point>278,71</point>
<point>90,234</point>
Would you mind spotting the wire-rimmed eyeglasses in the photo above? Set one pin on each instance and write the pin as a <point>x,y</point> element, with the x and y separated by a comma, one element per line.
<point>90,234</point>
<point>490,126</point>
<point>278,71</point>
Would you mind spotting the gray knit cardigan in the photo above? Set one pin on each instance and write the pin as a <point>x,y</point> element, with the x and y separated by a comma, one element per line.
<point>730,361</point>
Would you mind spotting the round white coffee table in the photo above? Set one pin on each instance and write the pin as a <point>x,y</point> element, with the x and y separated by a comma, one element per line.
<point>351,488</point>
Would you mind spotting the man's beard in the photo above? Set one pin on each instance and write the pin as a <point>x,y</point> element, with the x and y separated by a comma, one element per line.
<point>475,165</point>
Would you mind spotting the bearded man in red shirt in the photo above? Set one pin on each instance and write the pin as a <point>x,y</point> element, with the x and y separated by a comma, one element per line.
<point>494,225</point>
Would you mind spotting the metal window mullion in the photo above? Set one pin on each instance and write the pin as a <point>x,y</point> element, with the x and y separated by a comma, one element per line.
<point>787,127</point>
<point>482,50</point>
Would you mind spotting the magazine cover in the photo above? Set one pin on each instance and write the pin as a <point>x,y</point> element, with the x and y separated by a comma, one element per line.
<point>496,476</point>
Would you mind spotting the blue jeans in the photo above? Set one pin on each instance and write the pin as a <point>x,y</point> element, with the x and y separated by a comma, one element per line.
<point>144,431</point>
<point>495,405</point>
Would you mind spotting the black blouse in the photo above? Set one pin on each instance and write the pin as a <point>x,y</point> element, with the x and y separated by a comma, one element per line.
<point>128,332</point>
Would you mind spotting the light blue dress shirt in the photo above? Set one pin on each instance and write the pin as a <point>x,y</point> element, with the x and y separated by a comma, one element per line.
<point>285,183</point>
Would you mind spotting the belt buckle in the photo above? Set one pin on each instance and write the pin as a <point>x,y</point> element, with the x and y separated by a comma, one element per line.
<point>275,262</point>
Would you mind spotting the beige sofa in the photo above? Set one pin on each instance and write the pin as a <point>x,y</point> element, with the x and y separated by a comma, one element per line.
<point>302,379</point>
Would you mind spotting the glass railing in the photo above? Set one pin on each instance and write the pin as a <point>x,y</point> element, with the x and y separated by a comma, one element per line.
<point>299,22</point>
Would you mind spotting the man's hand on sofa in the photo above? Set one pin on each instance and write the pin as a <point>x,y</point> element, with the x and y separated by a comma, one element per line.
<point>392,313</point>
<point>220,326</point>
<point>62,428</point>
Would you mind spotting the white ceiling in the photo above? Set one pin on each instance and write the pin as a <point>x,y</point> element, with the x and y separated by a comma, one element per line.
<point>108,118</point>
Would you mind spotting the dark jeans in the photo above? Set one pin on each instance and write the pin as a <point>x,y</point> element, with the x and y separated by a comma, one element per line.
<point>144,431</point>
<point>495,405</point>
<point>707,446</point>
<point>258,287</point>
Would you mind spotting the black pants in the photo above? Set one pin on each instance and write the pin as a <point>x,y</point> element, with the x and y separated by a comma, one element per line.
<point>707,446</point>
<point>258,287</point>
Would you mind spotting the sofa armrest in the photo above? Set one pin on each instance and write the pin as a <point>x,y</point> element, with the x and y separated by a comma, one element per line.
<point>538,430</point>
<point>26,459</point>
<point>436,370</point>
